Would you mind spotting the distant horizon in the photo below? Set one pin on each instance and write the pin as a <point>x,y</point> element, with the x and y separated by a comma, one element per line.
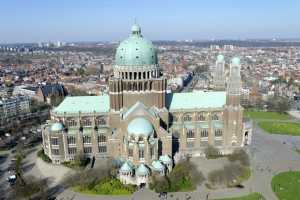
<point>34,21</point>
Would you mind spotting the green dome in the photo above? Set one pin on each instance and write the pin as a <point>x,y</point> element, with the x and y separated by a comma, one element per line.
<point>235,61</point>
<point>57,127</point>
<point>220,58</point>
<point>135,50</point>
<point>140,126</point>
<point>165,159</point>
<point>157,165</point>
<point>142,170</point>
<point>126,167</point>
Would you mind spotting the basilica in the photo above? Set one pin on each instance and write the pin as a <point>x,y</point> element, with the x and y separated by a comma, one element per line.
<point>142,125</point>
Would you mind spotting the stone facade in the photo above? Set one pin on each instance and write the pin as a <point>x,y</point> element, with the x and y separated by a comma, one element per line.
<point>141,125</point>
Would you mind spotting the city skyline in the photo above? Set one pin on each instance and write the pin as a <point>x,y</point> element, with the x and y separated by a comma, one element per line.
<point>34,21</point>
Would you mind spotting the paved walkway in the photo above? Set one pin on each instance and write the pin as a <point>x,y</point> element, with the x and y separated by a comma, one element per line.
<point>269,154</point>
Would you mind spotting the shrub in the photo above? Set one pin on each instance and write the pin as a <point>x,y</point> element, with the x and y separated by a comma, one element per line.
<point>241,156</point>
<point>231,174</point>
<point>183,177</point>
<point>41,154</point>
<point>212,152</point>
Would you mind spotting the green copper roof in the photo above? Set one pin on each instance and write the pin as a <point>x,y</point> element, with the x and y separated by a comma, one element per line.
<point>57,127</point>
<point>220,58</point>
<point>196,100</point>
<point>157,165</point>
<point>235,61</point>
<point>135,50</point>
<point>142,170</point>
<point>165,159</point>
<point>140,126</point>
<point>83,104</point>
<point>126,167</point>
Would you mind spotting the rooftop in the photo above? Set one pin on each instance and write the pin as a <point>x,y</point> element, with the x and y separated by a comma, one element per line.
<point>196,99</point>
<point>84,104</point>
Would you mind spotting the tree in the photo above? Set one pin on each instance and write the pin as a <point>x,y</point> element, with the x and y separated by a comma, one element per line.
<point>211,152</point>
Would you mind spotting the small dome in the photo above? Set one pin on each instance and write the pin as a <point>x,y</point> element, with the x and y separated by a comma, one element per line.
<point>165,159</point>
<point>157,165</point>
<point>220,58</point>
<point>126,167</point>
<point>135,50</point>
<point>140,126</point>
<point>235,61</point>
<point>142,170</point>
<point>57,127</point>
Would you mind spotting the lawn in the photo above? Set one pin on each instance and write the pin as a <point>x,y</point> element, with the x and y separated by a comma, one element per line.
<point>108,186</point>
<point>285,128</point>
<point>286,185</point>
<point>252,196</point>
<point>298,150</point>
<point>261,115</point>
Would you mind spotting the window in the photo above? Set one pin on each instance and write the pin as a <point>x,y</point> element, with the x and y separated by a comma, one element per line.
<point>130,152</point>
<point>141,153</point>
<point>71,122</point>
<point>218,133</point>
<point>54,141</point>
<point>190,134</point>
<point>201,117</point>
<point>55,151</point>
<point>151,152</point>
<point>87,139</point>
<point>214,117</point>
<point>204,133</point>
<point>100,121</point>
<point>102,149</point>
<point>175,118</point>
<point>72,150</point>
<point>87,149</point>
<point>86,122</point>
<point>71,140</point>
<point>187,118</point>
<point>101,138</point>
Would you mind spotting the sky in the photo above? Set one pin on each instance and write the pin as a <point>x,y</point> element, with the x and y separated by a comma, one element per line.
<point>110,20</point>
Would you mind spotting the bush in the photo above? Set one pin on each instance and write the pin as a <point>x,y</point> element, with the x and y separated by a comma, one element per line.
<point>183,177</point>
<point>231,175</point>
<point>41,154</point>
<point>241,156</point>
<point>212,152</point>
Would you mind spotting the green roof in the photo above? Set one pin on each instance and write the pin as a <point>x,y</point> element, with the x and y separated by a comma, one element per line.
<point>196,100</point>
<point>135,50</point>
<point>84,104</point>
<point>126,167</point>
<point>140,126</point>
<point>157,165</point>
<point>165,159</point>
<point>142,170</point>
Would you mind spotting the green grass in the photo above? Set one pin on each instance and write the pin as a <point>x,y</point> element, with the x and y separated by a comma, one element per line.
<point>261,115</point>
<point>286,185</point>
<point>298,150</point>
<point>252,196</point>
<point>285,128</point>
<point>108,186</point>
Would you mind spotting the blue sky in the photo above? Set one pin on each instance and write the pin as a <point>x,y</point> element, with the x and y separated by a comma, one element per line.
<point>110,20</point>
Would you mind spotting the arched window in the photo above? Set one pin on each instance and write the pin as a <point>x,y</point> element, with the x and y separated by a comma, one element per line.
<point>215,117</point>
<point>204,133</point>
<point>187,117</point>
<point>201,117</point>
<point>218,133</point>
<point>140,75</point>
<point>190,133</point>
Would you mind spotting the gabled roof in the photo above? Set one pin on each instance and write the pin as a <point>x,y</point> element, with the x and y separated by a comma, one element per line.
<point>196,100</point>
<point>138,109</point>
<point>84,104</point>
